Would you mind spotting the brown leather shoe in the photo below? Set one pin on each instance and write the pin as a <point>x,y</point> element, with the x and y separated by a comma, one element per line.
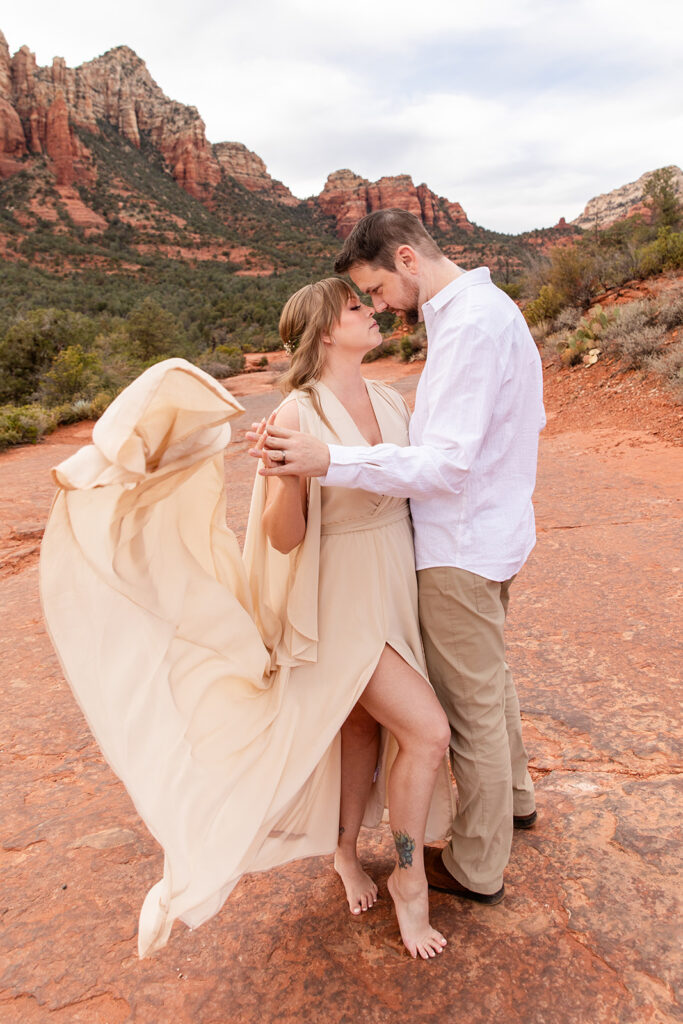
<point>525,820</point>
<point>439,877</point>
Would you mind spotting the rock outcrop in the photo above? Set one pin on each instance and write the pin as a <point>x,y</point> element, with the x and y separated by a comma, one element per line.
<point>116,88</point>
<point>12,139</point>
<point>42,109</point>
<point>347,197</point>
<point>621,202</point>
<point>250,171</point>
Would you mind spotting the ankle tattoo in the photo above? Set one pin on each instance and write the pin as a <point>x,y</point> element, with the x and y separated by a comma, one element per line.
<point>342,830</point>
<point>404,848</point>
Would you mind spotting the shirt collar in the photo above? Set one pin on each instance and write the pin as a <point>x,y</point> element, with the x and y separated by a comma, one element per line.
<point>481,275</point>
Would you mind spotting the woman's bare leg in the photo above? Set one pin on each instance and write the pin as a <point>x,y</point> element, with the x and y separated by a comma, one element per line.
<point>359,752</point>
<point>401,700</point>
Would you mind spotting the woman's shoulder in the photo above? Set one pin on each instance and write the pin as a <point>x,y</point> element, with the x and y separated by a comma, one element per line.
<point>287,412</point>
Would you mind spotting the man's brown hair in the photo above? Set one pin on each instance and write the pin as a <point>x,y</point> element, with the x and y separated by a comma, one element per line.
<point>377,236</point>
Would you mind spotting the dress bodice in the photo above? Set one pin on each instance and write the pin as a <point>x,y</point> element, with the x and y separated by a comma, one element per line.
<point>343,509</point>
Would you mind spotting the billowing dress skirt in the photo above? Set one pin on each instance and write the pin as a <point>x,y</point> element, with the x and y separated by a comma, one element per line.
<point>215,683</point>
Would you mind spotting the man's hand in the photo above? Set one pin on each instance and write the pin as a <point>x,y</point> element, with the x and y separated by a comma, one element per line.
<point>289,452</point>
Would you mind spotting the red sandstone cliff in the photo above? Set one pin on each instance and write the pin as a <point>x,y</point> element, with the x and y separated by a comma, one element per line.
<point>116,87</point>
<point>12,139</point>
<point>347,197</point>
<point>250,171</point>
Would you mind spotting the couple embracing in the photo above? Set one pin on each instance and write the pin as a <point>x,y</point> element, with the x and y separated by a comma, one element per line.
<point>289,696</point>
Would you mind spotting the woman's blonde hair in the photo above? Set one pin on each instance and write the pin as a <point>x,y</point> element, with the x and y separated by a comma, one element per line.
<point>308,315</point>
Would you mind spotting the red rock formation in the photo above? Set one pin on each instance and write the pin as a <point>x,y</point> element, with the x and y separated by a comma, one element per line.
<point>347,197</point>
<point>250,171</point>
<point>80,214</point>
<point>116,87</point>
<point>58,141</point>
<point>12,140</point>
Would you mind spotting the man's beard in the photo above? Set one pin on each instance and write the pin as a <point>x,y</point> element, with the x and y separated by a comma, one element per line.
<point>411,314</point>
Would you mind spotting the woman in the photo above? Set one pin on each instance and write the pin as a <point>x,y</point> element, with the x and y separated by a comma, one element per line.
<point>216,691</point>
<point>328,331</point>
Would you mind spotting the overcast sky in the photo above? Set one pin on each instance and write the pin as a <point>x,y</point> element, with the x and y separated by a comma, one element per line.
<point>521,110</point>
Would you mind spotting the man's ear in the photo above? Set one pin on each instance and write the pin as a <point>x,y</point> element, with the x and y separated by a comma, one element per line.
<point>407,259</point>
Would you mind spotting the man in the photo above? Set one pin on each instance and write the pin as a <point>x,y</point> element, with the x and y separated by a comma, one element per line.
<point>469,473</point>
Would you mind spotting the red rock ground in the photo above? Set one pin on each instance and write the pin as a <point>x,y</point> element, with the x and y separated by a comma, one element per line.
<point>586,933</point>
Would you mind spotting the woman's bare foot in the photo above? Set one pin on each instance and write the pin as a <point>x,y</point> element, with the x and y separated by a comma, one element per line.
<point>361,891</point>
<point>412,911</point>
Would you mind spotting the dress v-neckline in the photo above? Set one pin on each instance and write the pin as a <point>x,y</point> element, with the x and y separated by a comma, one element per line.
<point>350,417</point>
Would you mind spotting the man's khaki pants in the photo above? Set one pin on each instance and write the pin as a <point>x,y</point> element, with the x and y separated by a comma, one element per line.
<point>462,617</point>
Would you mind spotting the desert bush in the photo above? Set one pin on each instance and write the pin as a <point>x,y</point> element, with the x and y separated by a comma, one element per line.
<point>573,276</point>
<point>545,308</point>
<point>670,310</point>
<point>665,253</point>
<point>669,365</point>
<point>81,409</point>
<point>511,288</point>
<point>629,319</point>
<point>224,361</point>
<point>24,424</point>
<point>74,374</point>
<point>412,346</point>
<point>385,348</point>
<point>639,346</point>
<point>31,343</point>
<point>567,319</point>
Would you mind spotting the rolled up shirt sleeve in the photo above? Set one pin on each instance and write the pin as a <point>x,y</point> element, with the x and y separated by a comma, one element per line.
<point>465,376</point>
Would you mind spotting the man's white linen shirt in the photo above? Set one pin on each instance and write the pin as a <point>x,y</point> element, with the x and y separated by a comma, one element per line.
<point>470,469</point>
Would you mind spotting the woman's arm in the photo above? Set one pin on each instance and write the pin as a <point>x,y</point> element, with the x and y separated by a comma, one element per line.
<point>284,517</point>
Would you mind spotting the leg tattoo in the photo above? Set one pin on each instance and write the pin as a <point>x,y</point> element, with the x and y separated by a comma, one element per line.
<point>342,830</point>
<point>404,847</point>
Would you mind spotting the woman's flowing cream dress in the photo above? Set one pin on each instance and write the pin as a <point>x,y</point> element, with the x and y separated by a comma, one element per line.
<point>216,685</point>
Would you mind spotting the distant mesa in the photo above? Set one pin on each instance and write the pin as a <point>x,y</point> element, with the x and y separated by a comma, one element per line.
<point>622,202</point>
<point>347,197</point>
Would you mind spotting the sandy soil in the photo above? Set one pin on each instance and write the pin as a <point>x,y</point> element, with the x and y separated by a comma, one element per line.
<point>586,931</point>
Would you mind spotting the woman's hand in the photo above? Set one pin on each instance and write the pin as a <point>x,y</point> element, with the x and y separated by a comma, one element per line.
<point>259,435</point>
<point>288,452</point>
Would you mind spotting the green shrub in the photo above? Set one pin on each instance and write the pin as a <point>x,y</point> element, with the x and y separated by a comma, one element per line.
<point>662,197</point>
<point>665,253</point>
<point>224,361</point>
<point>24,424</point>
<point>74,374</point>
<point>31,343</point>
<point>153,332</point>
<point>544,308</point>
<point>573,275</point>
<point>412,346</point>
<point>511,288</point>
<point>385,348</point>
